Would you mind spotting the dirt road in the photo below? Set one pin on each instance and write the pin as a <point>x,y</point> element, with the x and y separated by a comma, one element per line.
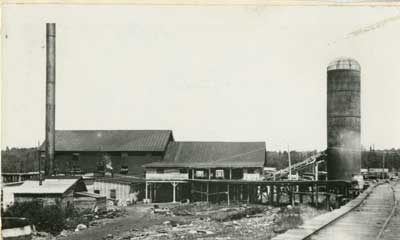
<point>115,226</point>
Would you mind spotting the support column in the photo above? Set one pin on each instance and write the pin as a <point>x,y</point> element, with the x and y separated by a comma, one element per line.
<point>174,184</point>
<point>292,195</point>
<point>316,171</point>
<point>146,191</point>
<point>154,187</point>
<point>248,194</point>
<point>227,194</point>
<point>208,190</point>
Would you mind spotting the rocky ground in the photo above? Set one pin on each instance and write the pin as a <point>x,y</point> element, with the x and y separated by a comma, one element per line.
<point>195,221</point>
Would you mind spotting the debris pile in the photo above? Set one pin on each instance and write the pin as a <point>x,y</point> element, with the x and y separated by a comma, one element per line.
<point>240,222</point>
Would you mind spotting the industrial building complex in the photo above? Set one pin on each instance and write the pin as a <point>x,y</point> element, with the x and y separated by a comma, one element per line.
<point>151,164</point>
<point>87,174</point>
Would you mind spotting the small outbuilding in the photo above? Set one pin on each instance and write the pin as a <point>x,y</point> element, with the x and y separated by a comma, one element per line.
<point>122,190</point>
<point>51,190</point>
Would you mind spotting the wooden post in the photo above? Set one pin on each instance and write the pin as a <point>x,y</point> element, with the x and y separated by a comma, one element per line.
<point>191,192</point>
<point>208,189</point>
<point>312,194</point>
<point>271,197</point>
<point>316,197</point>
<point>174,184</point>
<point>227,194</point>
<point>278,194</point>
<point>290,164</point>
<point>154,186</point>
<point>241,192</point>
<point>209,173</point>
<point>216,192</point>
<point>327,201</point>
<point>146,190</point>
<point>292,196</point>
<point>248,194</point>
<point>230,173</point>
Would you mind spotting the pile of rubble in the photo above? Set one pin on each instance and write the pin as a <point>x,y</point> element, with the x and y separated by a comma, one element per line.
<point>206,226</point>
<point>91,219</point>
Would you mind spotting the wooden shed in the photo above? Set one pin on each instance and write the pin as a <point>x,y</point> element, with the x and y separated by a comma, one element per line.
<point>51,191</point>
<point>120,188</point>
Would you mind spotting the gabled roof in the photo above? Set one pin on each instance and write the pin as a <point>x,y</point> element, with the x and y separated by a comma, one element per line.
<point>112,140</point>
<point>49,186</point>
<point>213,154</point>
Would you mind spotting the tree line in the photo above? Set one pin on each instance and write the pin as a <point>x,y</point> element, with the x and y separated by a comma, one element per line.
<point>26,159</point>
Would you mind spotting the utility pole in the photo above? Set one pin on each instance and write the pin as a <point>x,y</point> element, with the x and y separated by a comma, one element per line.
<point>383,165</point>
<point>290,164</point>
<point>40,169</point>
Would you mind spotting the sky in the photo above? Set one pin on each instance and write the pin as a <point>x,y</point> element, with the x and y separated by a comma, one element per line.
<point>211,73</point>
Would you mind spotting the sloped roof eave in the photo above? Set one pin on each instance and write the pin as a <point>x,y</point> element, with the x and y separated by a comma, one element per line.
<point>111,140</point>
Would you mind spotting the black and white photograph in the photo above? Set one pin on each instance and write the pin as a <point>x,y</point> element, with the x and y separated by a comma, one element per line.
<point>200,120</point>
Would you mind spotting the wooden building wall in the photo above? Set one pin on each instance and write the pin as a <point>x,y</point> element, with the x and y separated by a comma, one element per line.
<point>88,161</point>
<point>47,198</point>
<point>122,190</point>
<point>84,203</point>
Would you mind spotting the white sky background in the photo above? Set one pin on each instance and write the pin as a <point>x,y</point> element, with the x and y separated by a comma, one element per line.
<point>208,73</point>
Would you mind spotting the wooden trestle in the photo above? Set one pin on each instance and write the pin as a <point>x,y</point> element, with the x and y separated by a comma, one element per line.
<point>269,192</point>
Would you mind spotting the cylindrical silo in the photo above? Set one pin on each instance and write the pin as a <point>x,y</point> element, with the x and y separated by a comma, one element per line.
<point>343,119</point>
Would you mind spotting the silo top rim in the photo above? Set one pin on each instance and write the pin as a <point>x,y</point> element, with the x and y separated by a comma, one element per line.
<point>344,64</point>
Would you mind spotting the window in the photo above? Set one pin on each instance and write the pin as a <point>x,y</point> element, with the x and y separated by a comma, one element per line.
<point>75,157</point>
<point>124,169</point>
<point>76,169</point>
<point>113,194</point>
<point>219,173</point>
<point>200,173</point>
<point>160,170</point>
<point>250,170</point>
<point>183,170</point>
<point>97,191</point>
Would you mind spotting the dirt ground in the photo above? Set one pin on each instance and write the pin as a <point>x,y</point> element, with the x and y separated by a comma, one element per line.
<point>197,221</point>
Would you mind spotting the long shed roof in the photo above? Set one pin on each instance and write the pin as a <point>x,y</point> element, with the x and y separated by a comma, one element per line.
<point>112,140</point>
<point>49,186</point>
<point>213,154</point>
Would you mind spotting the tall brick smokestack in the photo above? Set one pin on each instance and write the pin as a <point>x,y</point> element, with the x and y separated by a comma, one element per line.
<point>50,96</point>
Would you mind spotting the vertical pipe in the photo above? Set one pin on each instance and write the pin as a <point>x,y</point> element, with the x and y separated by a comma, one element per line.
<point>50,96</point>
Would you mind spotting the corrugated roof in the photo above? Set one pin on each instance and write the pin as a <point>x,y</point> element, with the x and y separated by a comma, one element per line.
<point>49,186</point>
<point>213,154</point>
<point>112,140</point>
